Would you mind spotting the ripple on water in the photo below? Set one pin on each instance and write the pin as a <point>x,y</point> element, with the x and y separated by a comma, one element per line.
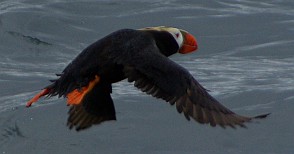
<point>225,74</point>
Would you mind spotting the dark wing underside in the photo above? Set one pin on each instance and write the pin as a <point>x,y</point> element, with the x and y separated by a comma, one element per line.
<point>96,107</point>
<point>160,77</point>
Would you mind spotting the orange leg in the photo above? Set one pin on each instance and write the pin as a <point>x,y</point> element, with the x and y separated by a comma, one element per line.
<point>76,96</point>
<point>39,95</point>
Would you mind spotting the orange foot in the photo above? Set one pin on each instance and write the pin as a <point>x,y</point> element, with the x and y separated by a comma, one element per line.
<point>76,96</point>
<point>39,95</point>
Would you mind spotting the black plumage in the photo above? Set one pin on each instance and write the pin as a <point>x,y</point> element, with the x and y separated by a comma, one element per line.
<point>141,57</point>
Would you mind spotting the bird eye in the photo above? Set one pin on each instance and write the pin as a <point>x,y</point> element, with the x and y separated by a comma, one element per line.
<point>177,35</point>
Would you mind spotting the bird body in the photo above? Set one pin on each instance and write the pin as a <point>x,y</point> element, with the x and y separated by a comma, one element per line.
<point>141,57</point>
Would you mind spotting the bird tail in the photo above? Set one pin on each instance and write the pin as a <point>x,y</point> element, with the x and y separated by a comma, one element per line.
<point>63,87</point>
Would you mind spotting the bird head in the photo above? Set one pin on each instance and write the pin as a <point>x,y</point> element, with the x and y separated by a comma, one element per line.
<point>186,42</point>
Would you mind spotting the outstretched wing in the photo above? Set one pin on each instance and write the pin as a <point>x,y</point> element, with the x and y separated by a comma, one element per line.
<point>160,77</point>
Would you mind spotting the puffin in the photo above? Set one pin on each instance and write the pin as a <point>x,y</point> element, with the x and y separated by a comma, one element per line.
<point>141,57</point>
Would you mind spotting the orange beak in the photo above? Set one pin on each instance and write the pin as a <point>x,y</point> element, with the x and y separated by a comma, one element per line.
<point>189,43</point>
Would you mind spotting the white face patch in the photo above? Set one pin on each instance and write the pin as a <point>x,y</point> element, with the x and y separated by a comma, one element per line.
<point>177,36</point>
<point>173,31</point>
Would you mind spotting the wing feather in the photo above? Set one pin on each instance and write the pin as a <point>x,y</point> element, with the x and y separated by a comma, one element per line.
<point>162,78</point>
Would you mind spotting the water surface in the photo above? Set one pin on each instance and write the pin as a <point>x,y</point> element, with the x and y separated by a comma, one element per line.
<point>245,59</point>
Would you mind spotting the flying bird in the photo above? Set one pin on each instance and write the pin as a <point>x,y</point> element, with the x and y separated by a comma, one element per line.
<point>140,56</point>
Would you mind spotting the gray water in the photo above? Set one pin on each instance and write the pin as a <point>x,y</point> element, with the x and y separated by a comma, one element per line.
<point>245,59</point>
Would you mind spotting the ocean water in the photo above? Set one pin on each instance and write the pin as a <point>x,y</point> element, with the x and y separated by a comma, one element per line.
<point>245,59</point>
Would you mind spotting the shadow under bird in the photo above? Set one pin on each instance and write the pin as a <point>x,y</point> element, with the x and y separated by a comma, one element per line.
<point>140,56</point>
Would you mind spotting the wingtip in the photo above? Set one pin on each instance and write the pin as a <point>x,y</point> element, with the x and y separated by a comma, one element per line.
<point>262,116</point>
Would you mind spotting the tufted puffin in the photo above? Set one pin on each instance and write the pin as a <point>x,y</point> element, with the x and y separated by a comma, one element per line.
<point>140,56</point>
